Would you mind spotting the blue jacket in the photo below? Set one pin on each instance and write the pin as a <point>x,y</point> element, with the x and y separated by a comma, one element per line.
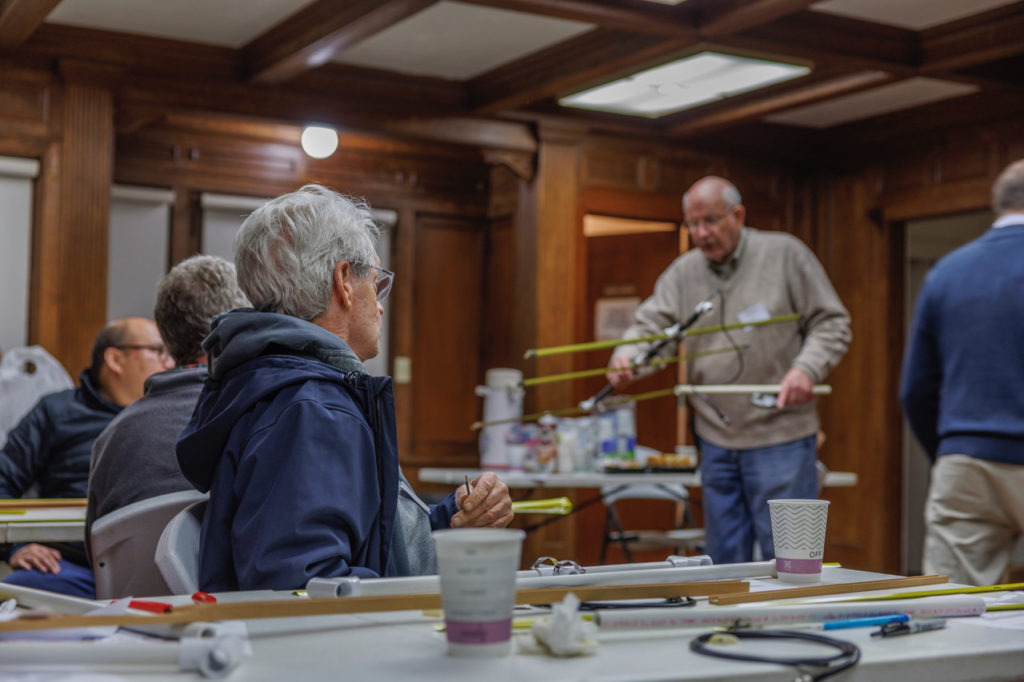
<point>51,445</point>
<point>296,444</point>
<point>964,368</point>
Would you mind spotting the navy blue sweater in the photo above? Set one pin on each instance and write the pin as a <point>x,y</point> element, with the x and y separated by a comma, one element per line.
<point>963,375</point>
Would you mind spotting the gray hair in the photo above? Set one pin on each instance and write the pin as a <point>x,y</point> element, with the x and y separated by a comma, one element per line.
<point>188,297</point>
<point>1008,190</point>
<point>286,249</point>
<point>730,195</point>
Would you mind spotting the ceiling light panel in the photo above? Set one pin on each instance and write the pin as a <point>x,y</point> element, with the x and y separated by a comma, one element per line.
<point>683,84</point>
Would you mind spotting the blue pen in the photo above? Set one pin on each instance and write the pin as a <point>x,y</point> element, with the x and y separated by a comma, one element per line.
<point>865,622</point>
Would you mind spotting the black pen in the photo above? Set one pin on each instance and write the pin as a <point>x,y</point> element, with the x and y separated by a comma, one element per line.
<point>911,628</point>
<point>468,491</point>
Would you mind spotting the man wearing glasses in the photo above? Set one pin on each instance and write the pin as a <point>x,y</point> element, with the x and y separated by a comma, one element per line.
<point>752,447</point>
<point>294,441</point>
<point>50,447</point>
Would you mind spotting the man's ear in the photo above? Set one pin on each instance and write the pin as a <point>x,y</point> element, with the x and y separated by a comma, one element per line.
<point>741,213</point>
<point>343,283</point>
<point>114,360</point>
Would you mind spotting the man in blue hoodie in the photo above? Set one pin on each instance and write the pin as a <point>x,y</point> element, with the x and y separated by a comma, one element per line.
<point>962,394</point>
<point>295,442</point>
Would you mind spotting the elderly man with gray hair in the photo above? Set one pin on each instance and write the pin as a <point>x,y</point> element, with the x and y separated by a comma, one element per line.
<point>133,459</point>
<point>292,437</point>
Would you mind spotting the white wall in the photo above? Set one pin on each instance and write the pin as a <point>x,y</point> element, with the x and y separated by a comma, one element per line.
<point>16,178</point>
<point>140,219</point>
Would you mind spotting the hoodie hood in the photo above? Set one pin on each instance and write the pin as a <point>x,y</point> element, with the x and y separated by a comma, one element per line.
<point>253,356</point>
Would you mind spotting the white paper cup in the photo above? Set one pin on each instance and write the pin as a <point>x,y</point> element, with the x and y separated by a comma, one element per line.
<point>478,588</point>
<point>798,531</point>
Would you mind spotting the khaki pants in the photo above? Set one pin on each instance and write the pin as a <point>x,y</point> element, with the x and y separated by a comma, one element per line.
<point>973,517</point>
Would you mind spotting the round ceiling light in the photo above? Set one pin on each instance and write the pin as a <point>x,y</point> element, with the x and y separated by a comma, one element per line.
<point>319,141</point>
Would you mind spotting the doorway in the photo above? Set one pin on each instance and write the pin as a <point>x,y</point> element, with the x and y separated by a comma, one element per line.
<point>927,241</point>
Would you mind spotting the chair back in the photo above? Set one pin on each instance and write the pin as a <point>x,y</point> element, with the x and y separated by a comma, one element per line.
<point>124,541</point>
<point>676,492</point>
<point>177,552</point>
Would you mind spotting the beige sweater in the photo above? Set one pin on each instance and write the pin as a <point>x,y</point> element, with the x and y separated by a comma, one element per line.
<point>777,271</point>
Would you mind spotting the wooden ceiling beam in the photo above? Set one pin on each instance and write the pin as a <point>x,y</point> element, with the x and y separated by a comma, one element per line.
<point>741,109</point>
<point>635,16</point>
<point>20,18</point>
<point>314,34</point>
<point>295,107</point>
<point>724,18</point>
<point>977,40</point>
<point>830,40</point>
<point>595,57</point>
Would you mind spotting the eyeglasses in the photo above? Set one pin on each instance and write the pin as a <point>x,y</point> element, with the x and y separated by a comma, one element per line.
<point>157,348</point>
<point>711,221</point>
<point>384,280</point>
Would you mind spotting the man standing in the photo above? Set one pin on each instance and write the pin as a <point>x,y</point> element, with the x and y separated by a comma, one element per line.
<point>294,440</point>
<point>133,459</point>
<point>752,447</point>
<point>51,445</point>
<point>961,392</point>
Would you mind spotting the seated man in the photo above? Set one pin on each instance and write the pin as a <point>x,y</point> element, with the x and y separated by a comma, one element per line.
<point>133,459</point>
<point>294,440</point>
<point>51,445</point>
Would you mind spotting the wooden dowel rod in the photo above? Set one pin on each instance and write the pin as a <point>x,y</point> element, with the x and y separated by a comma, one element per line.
<point>820,590</point>
<point>343,605</point>
<point>36,503</point>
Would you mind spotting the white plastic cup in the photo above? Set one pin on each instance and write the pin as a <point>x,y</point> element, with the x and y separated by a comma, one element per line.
<point>478,588</point>
<point>798,531</point>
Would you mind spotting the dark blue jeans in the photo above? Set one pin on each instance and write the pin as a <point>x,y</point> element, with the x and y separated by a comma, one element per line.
<point>73,579</point>
<point>736,486</point>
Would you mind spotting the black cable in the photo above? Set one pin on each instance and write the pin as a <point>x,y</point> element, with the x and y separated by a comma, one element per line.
<point>849,653</point>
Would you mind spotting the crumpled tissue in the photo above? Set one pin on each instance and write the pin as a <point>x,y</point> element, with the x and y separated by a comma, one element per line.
<point>564,633</point>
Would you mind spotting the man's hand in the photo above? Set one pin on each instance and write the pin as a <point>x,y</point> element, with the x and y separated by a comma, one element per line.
<point>39,557</point>
<point>795,388</point>
<point>620,372</point>
<point>487,506</point>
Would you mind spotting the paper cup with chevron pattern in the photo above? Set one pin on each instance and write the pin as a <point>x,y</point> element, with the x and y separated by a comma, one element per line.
<point>798,531</point>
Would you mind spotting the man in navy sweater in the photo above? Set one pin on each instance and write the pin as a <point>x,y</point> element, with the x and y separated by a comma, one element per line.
<point>961,392</point>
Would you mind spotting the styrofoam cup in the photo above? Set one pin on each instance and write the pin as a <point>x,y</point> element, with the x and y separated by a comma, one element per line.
<point>478,588</point>
<point>798,531</point>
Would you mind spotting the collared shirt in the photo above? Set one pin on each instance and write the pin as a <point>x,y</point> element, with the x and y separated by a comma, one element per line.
<point>1009,219</point>
<point>725,270</point>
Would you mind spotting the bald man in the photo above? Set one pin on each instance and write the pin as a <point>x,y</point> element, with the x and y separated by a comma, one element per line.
<point>51,446</point>
<point>752,447</point>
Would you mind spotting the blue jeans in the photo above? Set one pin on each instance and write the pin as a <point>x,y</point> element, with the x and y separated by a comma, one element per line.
<point>73,579</point>
<point>736,486</point>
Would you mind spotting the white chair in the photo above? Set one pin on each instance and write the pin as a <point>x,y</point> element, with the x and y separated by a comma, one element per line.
<point>123,543</point>
<point>177,552</point>
<point>683,537</point>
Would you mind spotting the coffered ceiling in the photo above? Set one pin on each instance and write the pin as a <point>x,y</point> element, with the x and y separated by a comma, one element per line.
<point>370,62</point>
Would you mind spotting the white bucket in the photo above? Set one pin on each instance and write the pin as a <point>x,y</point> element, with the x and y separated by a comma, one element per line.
<point>503,399</point>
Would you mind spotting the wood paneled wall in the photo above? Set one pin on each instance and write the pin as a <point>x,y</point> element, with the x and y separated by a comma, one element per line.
<point>496,250</point>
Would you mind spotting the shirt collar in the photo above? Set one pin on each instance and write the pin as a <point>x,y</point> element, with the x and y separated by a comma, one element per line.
<point>1009,219</point>
<point>726,269</point>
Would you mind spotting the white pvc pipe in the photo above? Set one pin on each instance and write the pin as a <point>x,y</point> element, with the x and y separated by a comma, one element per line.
<point>720,389</point>
<point>781,616</point>
<point>616,574</point>
<point>213,658</point>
